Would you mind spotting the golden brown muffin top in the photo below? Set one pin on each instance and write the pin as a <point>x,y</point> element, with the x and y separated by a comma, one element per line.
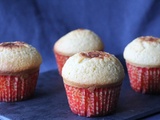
<point>95,68</point>
<point>18,56</point>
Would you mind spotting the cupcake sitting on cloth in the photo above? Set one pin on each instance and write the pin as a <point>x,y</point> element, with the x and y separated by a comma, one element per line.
<point>75,41</point>
<point>92,81</point>
<point>19,69</point>
<point>142,57</point>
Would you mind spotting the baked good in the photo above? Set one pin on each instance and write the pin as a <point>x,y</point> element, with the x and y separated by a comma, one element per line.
<point>73,42</point>
<point>19,69</point>
<point>92,82</point>
<point>142,57</point>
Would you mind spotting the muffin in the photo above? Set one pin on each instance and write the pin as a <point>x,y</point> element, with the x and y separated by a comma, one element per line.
<point>142,57</point>
<point>19,69</point>
<point>92,82</point>
<point>78,40</point>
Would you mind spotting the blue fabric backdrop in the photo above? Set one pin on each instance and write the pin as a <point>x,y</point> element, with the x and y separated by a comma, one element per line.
<point>42,22</point>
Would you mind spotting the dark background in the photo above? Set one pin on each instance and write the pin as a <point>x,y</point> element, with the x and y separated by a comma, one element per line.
<point>42,22</point>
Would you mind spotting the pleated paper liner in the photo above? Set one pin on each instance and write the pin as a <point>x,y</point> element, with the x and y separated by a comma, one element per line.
<point>97,102</point>
<point>61,59</point>
<point>17,87</point>
<point>144,79</point>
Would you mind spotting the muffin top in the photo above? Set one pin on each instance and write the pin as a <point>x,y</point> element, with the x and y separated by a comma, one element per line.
<point>18,56</point>
<point>143,51</point>
<point>78,41</point>
<point>92,69</point>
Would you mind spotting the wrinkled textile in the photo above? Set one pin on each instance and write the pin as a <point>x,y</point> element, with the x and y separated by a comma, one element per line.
<point>42,22</point>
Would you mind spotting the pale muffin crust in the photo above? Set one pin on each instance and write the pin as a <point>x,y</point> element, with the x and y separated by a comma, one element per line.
<point>92,69</point>
<point>78,40</point>
<point>18,57</point>
<point>143,51</point>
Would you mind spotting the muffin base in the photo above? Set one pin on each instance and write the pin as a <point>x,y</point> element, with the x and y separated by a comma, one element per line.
<point>61,59</point>
<point>17,87</point>
<point>144,79</point>
<point>93,102</point>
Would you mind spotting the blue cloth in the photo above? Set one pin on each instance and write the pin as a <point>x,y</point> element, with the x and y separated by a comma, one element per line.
<point>42,22</point>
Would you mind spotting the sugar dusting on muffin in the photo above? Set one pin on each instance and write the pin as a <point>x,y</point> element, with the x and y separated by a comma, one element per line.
<point>148,38</point>
<point>13,44</point>
<point>96,54</point>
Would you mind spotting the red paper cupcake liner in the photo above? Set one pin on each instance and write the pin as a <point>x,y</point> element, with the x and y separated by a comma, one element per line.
<point>97,102</point>
<point>61,59</point>
<point>143,79</point>
<point>16,88</point>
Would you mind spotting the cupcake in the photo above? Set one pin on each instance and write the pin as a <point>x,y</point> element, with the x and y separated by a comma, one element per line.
<point>19,69</point>
<point>75,41</point>
<point>92,82</point>
<point>142,57</point>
